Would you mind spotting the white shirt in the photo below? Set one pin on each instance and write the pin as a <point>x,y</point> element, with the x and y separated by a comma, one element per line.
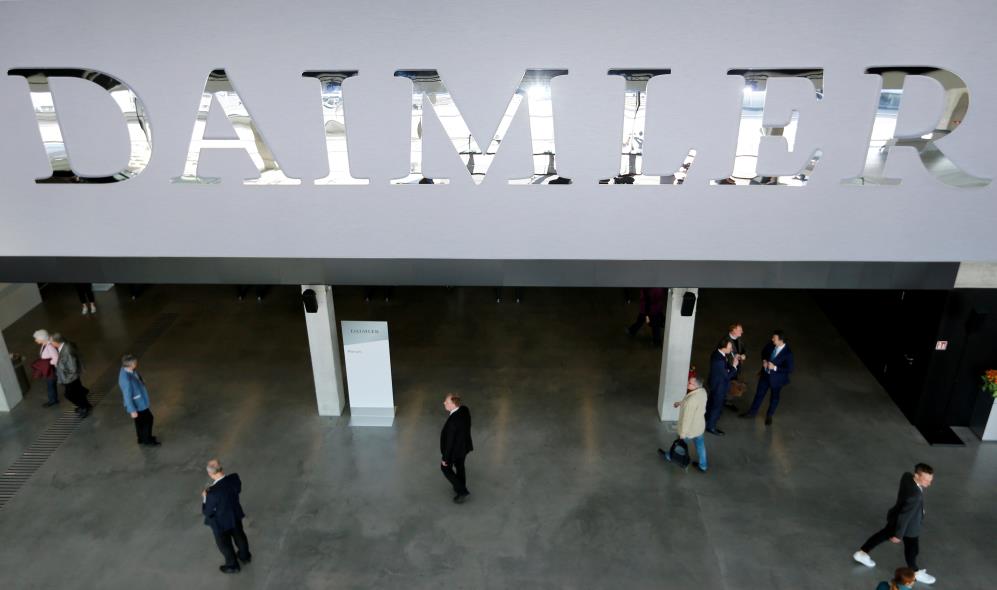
<point>454,410</point>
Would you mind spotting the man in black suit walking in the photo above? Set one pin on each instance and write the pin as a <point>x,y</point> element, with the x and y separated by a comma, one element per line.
<point>903,522</point>
<point>223,513</point>
<point>455,444</point>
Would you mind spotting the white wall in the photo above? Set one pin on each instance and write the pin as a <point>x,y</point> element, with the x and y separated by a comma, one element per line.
<point>165,51</point>
<point>17,300</point>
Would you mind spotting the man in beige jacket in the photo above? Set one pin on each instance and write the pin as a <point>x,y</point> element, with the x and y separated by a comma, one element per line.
<point>692,420</point>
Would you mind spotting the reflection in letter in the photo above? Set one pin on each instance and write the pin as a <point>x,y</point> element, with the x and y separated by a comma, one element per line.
<point>883,137</point>
<point>139,131</point>
<point>535,87</point>
<point>752,128</point>
<point>334,122</point>
<point>250,139</point>
<point>634,123</point>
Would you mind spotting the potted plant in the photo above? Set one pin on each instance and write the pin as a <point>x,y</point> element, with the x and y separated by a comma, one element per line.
<point>984,422</point>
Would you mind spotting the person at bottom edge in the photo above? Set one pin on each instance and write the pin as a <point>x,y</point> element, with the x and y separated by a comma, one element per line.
<point>455,444</point>
<point>692,420</point>
<point>903,579</point>
<point>903,522</point>
<point>223,513</point>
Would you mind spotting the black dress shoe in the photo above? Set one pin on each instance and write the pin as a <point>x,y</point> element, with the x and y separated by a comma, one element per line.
<point>730,406</point>
<point>151,443</point>
<point>768,420</point>
<point>746,415</point>
<point>228,569</point>
<point>246,559</point>
<point>459,498</point>
<point>49,404</point>
<point>84,413</point>
<point>716,432</point>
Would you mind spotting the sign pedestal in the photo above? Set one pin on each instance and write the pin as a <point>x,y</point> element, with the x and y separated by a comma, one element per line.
<point>368,373</point>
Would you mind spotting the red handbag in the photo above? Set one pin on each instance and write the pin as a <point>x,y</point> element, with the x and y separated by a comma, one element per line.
<point>42,369</point>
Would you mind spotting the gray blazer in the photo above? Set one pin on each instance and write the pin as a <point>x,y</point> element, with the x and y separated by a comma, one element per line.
<point>907,515</point>
<point>68,367</point>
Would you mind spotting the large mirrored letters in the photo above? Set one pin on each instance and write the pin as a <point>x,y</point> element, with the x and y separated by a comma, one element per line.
<point>883,138</point>
<point>139,129</point>
<point>427,86</point>
<point>334,124</point>
<point>219,88</point>
<point>752,128</point>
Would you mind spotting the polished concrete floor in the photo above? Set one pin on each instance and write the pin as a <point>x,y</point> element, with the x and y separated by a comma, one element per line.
<point>567,490</point>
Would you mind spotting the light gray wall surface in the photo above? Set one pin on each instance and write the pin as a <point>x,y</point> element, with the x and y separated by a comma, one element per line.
<point>165,51</point>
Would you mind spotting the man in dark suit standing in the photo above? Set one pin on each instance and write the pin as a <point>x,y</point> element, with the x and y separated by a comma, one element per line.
<point>719,382</point>
<point>223,513</point>
<point>455,444</point>
<point>777,364</point>
<point>903,522</point>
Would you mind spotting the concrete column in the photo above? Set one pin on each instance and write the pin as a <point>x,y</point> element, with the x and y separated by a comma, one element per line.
<point>323,342</point>
<point>676,354</point>
<point>10,389</point>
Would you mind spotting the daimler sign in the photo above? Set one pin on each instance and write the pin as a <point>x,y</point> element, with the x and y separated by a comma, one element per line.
<point>429,89</point>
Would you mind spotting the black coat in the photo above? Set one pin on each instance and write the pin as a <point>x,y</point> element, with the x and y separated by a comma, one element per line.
<point>221,508</point>
<point>907,514</point>
<point>455,438</point>
<point>720,375</point>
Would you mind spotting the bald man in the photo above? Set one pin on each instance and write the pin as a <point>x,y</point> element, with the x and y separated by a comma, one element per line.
<point>223,513</point>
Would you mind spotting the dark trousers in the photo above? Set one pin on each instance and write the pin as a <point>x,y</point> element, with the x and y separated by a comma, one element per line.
<point>657,326</point>
<point>143,426</point>
<point>715,407</point>
<point>53,390</point>
<point>76,393</point>
<point>455,474</point>
<point>224,540</point>
<point>763,387</point>
<point>85,292</point>
<point>911,545</point>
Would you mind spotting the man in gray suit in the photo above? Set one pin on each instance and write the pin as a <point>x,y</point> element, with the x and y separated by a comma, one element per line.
<point>68,369</point>
<point>903,521</point>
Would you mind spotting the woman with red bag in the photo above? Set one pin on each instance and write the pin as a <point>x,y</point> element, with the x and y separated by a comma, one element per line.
<point>44,367</point>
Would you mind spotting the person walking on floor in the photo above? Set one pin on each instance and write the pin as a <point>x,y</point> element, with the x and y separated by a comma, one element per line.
<point>652,313</point>
<point>44,367</point>
<point>223,513</point>
<point>904,521</point>
<point>136,399</point>
<point>777,365</point>
<point>692,420</point>
<point>738,351</point>
<point>719,382</point>
<point>68,370</point>
<point>903,579</point>
<point>85,292</point>
<point>455,444</point>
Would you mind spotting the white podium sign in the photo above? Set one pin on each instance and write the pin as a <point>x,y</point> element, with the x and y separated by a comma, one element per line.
<point>368,373</point>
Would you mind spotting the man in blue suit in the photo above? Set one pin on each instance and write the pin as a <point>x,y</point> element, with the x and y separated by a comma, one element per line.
<point>721,372</point>
<point>136,399</point>
<point>223,513</point>
<point>777,364</point>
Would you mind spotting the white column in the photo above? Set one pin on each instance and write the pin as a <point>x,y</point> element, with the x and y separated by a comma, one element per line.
<point>10,389</point>
<point>676,354</point>
<point>323,342</point>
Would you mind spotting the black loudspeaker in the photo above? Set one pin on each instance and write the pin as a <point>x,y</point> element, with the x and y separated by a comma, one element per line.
<point>688,303</point>
<point>310,300</point>
<point>975,321</point>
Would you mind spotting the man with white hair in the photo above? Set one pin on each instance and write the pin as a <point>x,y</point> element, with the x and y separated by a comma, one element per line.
<point>44,367</point>
<point>223,513</point>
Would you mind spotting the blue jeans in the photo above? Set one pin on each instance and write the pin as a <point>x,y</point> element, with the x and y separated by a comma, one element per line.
<point>53,390</point>
<point>700,443</point>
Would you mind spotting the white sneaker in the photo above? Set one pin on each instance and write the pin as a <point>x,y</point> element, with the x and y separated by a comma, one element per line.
<point>93,308</point>
<point>924,577</point>
<point>863,558</point>
<point>86,309</point>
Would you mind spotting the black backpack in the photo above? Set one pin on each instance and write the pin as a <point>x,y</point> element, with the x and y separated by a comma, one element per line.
<point>679,452</point>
